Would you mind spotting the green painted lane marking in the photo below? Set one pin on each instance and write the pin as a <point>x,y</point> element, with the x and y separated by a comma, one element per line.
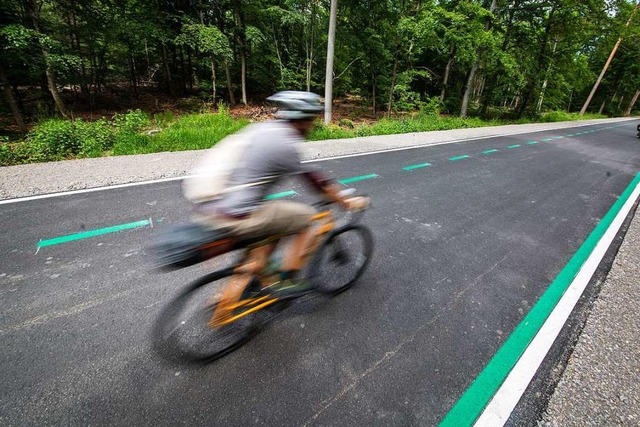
<point>558,137</point>
<point>93,233</point>
<point>453,159</point>
<point>514,146</point>
<point>412,167</point>
<point>471,404</point>
<point>532,142</point>
<point>357,178</point>
<point>490,151</point>
<point>571,134</point>
<point>547,139</point>
<point>280,195</point>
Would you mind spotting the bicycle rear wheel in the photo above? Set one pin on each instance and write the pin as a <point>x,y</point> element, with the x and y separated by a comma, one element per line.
<point>341,259</point>
<point>182,332</point>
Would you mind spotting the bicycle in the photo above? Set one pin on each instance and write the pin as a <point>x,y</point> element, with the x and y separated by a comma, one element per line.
<point>200,325</point>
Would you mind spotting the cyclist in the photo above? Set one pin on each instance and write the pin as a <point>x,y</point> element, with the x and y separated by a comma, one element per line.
<point>268,154</point>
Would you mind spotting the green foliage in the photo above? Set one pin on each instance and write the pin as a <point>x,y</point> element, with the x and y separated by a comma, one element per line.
<point>417,123</point>
<point>563,116</point>
<point>206,39</point>
<point>131,122</point>
<point>189,132</point>
<point>59,139</point>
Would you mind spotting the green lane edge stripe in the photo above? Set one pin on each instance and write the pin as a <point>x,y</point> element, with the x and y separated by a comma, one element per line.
<point>423,165</point>
<point>280,195</point>
<point>514,146</point>
<point>459,157</point>
<point>357,178</point>
<point>532,142</point>
<point>489,151</point>
<point>471,404</point>
<point>92,233</point>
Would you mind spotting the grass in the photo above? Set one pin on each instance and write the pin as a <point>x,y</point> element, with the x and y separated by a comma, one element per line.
<point>128,134</point>
<point>419,123</point>
<point>189,132</point>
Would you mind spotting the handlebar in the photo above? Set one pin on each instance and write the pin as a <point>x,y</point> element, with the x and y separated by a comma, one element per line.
<point>355,215</point>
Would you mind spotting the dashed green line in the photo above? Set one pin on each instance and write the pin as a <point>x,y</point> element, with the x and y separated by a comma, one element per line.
<point>514,146</point>
<point>92,233</point>
<point>547,139</point>
<point>490,151</point>
<point>280,195</point>
<point>532,142</point>
<point>412,167</point>
<point>357,178</point>
<point>453,159</point>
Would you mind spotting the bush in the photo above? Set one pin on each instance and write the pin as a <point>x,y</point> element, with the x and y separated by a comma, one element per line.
<point>131,122</point>
<point>57,139</point>
<point>14,153</point>
<point>346,123</point>
<point>563,116</point>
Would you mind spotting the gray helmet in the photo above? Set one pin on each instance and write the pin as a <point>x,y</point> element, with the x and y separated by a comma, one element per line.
<point>297,105</point>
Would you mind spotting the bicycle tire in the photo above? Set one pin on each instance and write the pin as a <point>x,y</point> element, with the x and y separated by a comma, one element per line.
<point>185,316</point>
<point>350,245</point>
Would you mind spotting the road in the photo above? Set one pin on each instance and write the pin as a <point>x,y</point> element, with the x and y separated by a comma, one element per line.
<point>469,236</point>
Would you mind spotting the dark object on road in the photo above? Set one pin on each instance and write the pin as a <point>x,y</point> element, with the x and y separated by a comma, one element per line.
<point>638,131</point>
<point>188,244</point>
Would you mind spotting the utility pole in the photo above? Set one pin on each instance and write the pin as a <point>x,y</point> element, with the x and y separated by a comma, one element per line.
<point>328,81</point>
<point>606,65</point>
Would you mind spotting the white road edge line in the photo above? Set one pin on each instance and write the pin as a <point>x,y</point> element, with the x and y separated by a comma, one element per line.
<point>508,395</point>
<point>368,153</point>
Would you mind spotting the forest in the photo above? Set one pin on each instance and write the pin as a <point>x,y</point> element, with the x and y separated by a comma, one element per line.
<point>514,60</point>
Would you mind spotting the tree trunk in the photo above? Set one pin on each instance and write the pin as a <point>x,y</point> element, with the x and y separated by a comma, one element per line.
<point>606,65</point>
<point>183,70</point>
<point>604,101</point>
<point>167,71</point>
<point>232,100</point>
<point>627,112</point>
<point>531,87</point>
<point>474,69</point>
<point>11,100</point>
<point>546,78</point>
<point>447,70</point>
<point>328,81</point>
<point>373,94</point>
<point>467,91</point>
<point>75,37</point>
<point>190,64</point>
<point>243,50</point>
<point>32,10</point>
<point>213,79</point>
<point>311,45</point>
<point>393,83</point>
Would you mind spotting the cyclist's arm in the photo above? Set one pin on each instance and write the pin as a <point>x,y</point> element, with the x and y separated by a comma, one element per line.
<point>327,186</point>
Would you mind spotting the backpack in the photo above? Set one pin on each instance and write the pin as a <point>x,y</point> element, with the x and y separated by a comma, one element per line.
<point>209,180</point>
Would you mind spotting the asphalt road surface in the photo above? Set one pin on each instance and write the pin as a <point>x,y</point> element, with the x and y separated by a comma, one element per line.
<point>468,236</point>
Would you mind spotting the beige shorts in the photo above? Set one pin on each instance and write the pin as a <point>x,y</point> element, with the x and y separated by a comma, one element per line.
<point>280,217</point>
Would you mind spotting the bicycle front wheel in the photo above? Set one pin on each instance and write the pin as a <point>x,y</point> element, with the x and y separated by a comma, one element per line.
<point>341,259</point>
<point>182,332</point>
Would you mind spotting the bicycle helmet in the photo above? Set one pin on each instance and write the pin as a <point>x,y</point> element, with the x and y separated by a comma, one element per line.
<point>297,105</point>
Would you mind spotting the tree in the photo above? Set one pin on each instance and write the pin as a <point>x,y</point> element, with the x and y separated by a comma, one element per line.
<point>209,40</point>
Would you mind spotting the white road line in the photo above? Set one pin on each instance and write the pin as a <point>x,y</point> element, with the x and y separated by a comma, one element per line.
<point>506,398</point>
<point>87,190</point>
<point>132,184</point>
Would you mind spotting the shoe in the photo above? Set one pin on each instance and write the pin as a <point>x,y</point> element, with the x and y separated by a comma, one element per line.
<point>252,290</point>
<point>289,289</point>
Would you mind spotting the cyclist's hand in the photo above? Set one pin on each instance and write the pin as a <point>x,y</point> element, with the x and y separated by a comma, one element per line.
<point>357,203</point>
